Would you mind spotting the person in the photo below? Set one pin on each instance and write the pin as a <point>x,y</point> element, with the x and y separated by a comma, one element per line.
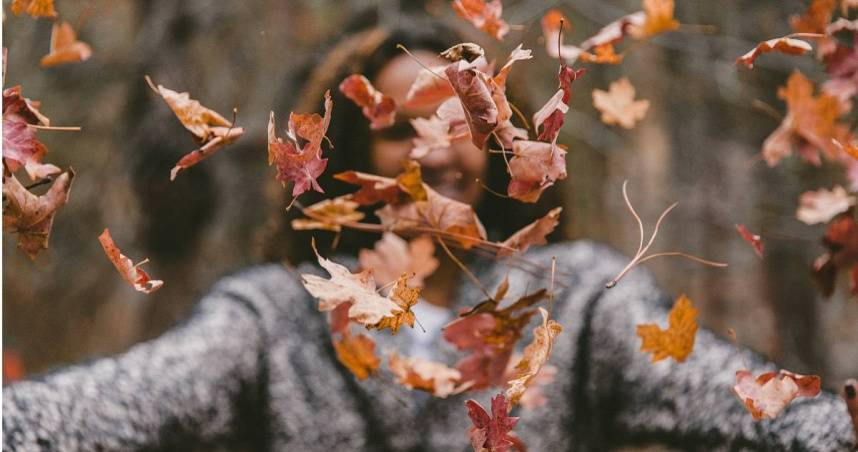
<point>254,367</point>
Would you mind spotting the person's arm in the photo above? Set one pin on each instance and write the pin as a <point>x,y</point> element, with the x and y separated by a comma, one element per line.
<point>622,397</point>
<point>197,384</point>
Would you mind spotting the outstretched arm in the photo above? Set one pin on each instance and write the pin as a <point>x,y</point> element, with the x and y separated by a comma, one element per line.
<point>195,385</point>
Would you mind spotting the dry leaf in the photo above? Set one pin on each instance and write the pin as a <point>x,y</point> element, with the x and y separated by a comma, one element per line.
<point>35,8</point>
<point>841,242</point>
<point>472,88</point>
<point>659,18</point>
<point>753,239</point>
<point>295,163</point>
<point>532,234</point>
<point>375,106</point>
<point>329,215</point>
<point>618,106</point>
<point>393,256</point>
<point>405,297</point>
<point>677,341</point>
<point>602,54</point>
<point>822,205</point>
<point>418,373</point>
<point>552,114</point>
<point>535,357</point>
<point>787,45</point>
<point>429,88</point>
<point>131,272</point>
<point>31,216</point>
<point>765,396</point>
<point>433,134</point>
<point>492,433</point>
<point>65,48</point>
<point>815,18</point>
<point>534,167</point>
<point>485,15</point>
<point>21,148</point>
<point>357,353</point>
<point>551,33</point>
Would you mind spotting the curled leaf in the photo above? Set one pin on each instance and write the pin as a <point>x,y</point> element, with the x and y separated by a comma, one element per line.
<point>295,163</point>
<point>535,357</point>
<point>532,234</point>
<point>131,272</point>
<point>31,216</point>
<point>659,18</point>
<point>418,373</point>
<point>768,394</point>
<point>472,87</point>
<point>753,239</point>
<point>787,45</point>
<point>375,106</point>
<point>65,48</point>
<point>534,167</point>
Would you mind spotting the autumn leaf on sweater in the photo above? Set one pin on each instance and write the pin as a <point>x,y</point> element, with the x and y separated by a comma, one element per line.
<point>485,15</point>
<point>492,433</point>
<point>532,234</point>
<point>787,45</point>
<point>677,340</point>
<point>375,106</point>
<point>534,167</point>
<point>65,48</point>
<point>768,394</point>
<point>822,205</point>
<point>35,8</point>
<point>211,130</point>
<point>393,256</point>
<point>535,357</point>
<point>131,272</point>
<point>296,163</point>
<point>753,239</point>
<point>618,106</point>
<point>329,215</point>
<point>423,374</point>
<point>357,353</point>
<point>810,124</point>
<point>659,18</point>
<point>551,116</point>
<point>31,216</point>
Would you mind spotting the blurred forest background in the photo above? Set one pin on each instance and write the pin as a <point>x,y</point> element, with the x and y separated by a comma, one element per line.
<point>699,144</point>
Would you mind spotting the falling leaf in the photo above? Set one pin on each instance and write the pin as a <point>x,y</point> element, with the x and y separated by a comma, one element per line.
<point>35,8</point>
<point>329,215</point>
<point>518,54</point>
<point>14,103</point>
<point>405,297</point>
<point>765,396</point>
<point>491,433</point>
<point>375,106</point>
<point>131,272</point>
<point>410,181</point>
<point>65,48</point>
<point>485,15</point>
<point>297,164</point>
<point>433,134</point>
<point>659,18</point>
<point>677,340</point>
<point>429,88</point>
<point>211,130</point>
<point>534,167</point>
<point>393,256</point>
<point>21,148</point>
<point>618,106</point>
<point>822,205</point>
<point>532,234</point>
<point>787,45</point>
<point>357,353</point>
<point>602,54</point>
<point>841,242</point>
<point>472,88</point>
<point>552,114</point>
<point>535,357</point>
<point>418,373</point>
<point>31,216</point>
<point>373,189</point>
<point>13,366</point>
<point>815,18</point>
<point>753,239</point>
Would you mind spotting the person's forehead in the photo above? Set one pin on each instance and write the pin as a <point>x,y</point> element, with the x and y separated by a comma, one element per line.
<point>395,78</point>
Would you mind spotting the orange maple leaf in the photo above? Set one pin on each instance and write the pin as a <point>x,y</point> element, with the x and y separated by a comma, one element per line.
<point>65,48</point>
<point>357,353</point>
<point>618,106</point>
<point>677,340</point>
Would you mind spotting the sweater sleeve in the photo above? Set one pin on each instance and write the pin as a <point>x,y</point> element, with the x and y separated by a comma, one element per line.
<point>625,398</point>
<point>194,386</point>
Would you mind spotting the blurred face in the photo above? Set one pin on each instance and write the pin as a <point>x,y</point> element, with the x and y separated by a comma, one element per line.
<point>453,171</point>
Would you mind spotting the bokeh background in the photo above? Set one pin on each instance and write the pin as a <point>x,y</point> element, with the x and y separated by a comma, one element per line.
<point>698,145</point>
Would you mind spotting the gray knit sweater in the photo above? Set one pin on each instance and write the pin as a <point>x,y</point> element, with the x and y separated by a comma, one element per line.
<point>254,369</point>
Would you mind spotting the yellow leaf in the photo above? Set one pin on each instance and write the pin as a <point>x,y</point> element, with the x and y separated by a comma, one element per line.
<point>357,353</point>
<point>678,340</point>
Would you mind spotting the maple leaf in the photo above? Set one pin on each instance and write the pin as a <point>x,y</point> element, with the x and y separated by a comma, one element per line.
<point>131,272</point>
<point>753,239</point>
<point>787,45</point>
<point>300,165</point>
<point>405,297</point>
<point>659,18</point>
<point>491,433</point>
<point>535,357</point>
<point>602,54</point>
<point>393,255</point>
<point>677,340</point>
<point>32,216</point>
<point>35,8</point>
<point>822,205</point>
<point>618,106</point>
<point>423,374</point>
<point>65,48</point>
<point>485,15</point>
<point>552,114</point>
<point>532,234</point>
<point>211,130</point>
<point>429,88</point>
<point>534,167</point>
<point>357,353</point>
<point>815,18</point>
<point>433,134</point>
<point>375,106</point>
<point>329,215</point>
<point>810,123</point>
<point>766,395</point>
<point>472,88</point>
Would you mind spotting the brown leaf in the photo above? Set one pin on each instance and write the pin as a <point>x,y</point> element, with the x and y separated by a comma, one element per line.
<point>405,297</point>
<point>131,272</point>
<point>534,167</point>
<point>618,106</point>
<point>21,148</point>
<point>677,341</point>
<point>485,15</point>
<point>822,205</point>
<point>492,433</point>
<point>753,239</point>
<point>535,357</point>
<point>375,106</point>
<point>32,216</point>
<point>65,48</point>
<point>418,373</point>
<point>765,396</point>
<point>532,234</point>
<point>35,8</point>
<point>329,215</point>
<point>297,163</point>
<point>552,115</point>
<point>373,189</point>
<point>393,256</point>
<point>787,45</point>
<point>357,353</point>
<point>472,88</point>
<point>429,88</point>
